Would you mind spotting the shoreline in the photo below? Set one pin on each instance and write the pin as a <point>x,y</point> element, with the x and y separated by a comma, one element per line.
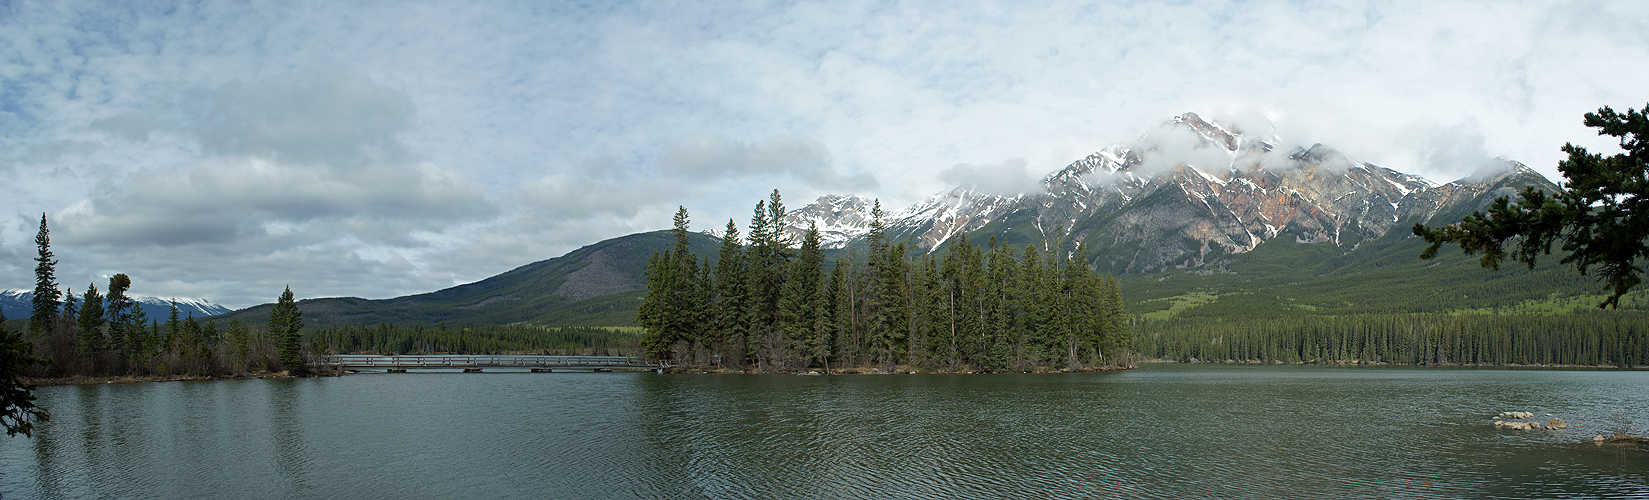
<point>902,370</point>
<point>133,379</point>
<point>1383,363</point>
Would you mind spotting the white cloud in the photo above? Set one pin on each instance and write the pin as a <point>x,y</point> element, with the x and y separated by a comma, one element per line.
<point>708,157</point>
<point>1007,178</point>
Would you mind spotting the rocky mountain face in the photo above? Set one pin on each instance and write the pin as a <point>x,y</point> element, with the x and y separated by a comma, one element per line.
<point>1186,193</point>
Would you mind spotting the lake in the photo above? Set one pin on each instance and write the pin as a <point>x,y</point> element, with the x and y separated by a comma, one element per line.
<point>1163,431</point>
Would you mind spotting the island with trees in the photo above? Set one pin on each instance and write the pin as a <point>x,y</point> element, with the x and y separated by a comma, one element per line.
<point>770,304</point>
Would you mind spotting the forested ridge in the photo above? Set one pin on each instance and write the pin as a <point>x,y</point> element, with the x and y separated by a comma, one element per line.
<point>770,304</point>
<point>384,338</point>
<point>1591,338</point>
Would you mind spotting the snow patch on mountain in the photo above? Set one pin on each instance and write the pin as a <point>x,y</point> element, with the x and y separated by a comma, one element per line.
<point>1226,193</point>
<point>20,304</point>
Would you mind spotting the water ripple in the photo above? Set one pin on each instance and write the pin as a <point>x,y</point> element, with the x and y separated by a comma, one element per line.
<point>1161,432</point>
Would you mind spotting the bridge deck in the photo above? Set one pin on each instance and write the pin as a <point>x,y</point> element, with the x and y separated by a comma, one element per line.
<point>485,361</point>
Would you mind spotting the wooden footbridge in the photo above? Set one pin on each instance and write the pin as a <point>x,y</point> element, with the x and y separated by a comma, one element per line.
<point>475,363</point>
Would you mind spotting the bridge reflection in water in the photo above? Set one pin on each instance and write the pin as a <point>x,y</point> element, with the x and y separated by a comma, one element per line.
<point>475,362</point>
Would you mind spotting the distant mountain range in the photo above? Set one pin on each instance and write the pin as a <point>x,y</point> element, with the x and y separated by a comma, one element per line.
<point>598,285</point>
<point>1194,212</point>
<point>20,304</point>
<point>1191,191</point>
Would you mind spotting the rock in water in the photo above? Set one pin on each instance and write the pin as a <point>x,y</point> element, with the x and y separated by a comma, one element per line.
<point>1556,423</point>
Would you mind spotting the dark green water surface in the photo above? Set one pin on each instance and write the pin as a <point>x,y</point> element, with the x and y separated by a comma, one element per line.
<point>1164,431</point>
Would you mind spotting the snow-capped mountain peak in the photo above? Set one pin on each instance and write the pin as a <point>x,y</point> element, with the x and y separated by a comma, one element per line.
<point>1187,190</point>
<point>20,304</point>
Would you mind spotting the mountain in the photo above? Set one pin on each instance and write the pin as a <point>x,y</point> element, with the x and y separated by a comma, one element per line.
<point>597,285</point>
<point>20,304</point>
<point>1188,193</point>
<point>1195,217</point>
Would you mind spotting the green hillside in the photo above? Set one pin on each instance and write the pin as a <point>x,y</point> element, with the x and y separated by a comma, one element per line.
<point>598,285</point>
<point>1380,276</point>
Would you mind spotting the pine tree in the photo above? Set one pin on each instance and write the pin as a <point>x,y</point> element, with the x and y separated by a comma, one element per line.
<point>210,339</point>
<point>731,295</point>
<point>71,310</point>
<point>768,257</point>
<point>845,311</point>
<point>91,320</point>
<point>238,334</point>
<point>653,313</point>
<point>173,326</point>
<point>797,308</point>
<point>820,339</point>
<point>672,312</point>
<point>286,325</point>
<point>118,310</point>
<point>137,337</point>
<point>47,298</point>
<point>192,347</point>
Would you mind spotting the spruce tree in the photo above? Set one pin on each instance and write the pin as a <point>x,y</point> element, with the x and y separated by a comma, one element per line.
<point>878,335</point>
<point>653,313</point>
<point>239,336</point>
<point>731,295</point>
<point>191,345</point>
<point>210,339</point>
<point>172,328</point>
<point>768,261</point>
<point>286,326</point>
<point>672,311</point>
<point>137,335</point>
<point>47,298</point>
<point>797,308</point>
<point>845,311</point>
<point>71,309</point>
<point>820,341</point>
<point>91,320</point>
<point>117,310</point>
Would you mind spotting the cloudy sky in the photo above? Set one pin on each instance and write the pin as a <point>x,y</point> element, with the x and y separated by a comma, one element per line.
<point>226,150</point>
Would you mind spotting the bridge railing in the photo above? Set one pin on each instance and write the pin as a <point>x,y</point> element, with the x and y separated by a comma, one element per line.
<point>480,360</point>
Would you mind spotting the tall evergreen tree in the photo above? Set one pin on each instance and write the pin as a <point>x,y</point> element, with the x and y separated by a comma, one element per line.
<point>846,328</point>
<point>89,322</point>
<point>91,319</point>
<point>119,314</point>
<point>240,336</point>
<point>768,257</point>
<point>173,326</point>
<point>47,298</point>
<point>71,310</point>
<point>138,340</point>
<point>654,315</point>
<point>286,325</point>
<point>820,339</point>
<point>731,295</point>
<point>673,310</point>
<point>797,308</point>
<point>190,345</point>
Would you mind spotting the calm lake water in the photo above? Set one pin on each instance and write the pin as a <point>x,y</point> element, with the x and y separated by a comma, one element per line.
<point>1164,431</point>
